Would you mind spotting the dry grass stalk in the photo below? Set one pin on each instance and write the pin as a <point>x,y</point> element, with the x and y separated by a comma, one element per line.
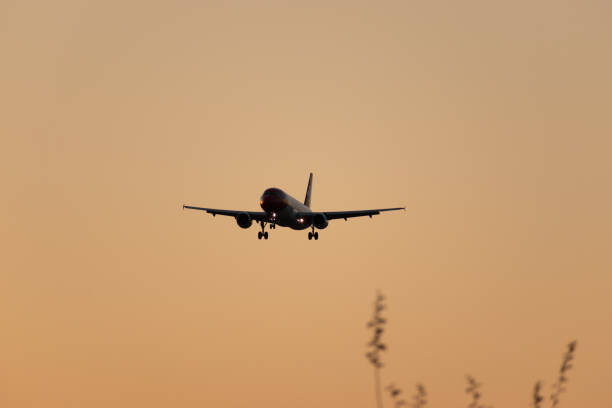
<point>376,345</point>
<point>559,386</point>
<point>537,397</point>
<point>473,390</point>
<point>418,399</point>
<point>395,395</point>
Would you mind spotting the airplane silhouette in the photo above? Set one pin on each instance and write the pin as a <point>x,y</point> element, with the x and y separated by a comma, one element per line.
<point>279,208</point>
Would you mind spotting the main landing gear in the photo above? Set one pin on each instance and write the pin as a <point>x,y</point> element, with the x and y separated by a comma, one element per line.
<point>313,234</point>
<point>263,233</point>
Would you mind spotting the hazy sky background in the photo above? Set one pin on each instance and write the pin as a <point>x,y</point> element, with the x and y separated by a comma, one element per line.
<point>490,121</point>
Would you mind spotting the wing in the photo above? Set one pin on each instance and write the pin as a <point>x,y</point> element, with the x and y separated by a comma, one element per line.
<point>333,215</point>
<point>255,215</point>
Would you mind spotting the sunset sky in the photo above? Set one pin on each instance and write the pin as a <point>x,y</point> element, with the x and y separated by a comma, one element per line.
<point>490,121</point>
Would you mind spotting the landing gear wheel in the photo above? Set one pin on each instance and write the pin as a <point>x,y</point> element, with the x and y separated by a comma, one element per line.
<point>316,236</point>
<point>310,235</point>
<point>262,233</point>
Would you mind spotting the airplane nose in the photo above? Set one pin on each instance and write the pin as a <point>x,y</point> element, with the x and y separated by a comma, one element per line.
<point>272,203</point>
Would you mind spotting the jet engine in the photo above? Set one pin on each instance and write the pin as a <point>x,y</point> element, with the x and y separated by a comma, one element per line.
<point>320,221</point>
<point>244,220</point>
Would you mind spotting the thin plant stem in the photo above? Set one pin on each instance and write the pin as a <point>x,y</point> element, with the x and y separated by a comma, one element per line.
<point>376,345</point>
<point>379,400</point>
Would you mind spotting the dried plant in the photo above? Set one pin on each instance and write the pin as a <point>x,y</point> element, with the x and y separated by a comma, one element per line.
<point>473,390</point>
<point>376,345</point>
<point>537,397</point>
<point>395,395</point>
<point>559,386</point>
<point>418,399</point>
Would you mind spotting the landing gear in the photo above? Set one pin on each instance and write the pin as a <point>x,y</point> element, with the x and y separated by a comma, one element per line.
<point>263,234</point>
<point>313,234</point>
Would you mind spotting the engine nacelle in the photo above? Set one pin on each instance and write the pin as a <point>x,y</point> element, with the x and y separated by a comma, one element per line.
<point>320,221</point>
<point>244,220</point>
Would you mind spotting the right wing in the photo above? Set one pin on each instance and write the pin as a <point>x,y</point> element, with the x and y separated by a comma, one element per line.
<point>255,215</point>
<point>332,215</point>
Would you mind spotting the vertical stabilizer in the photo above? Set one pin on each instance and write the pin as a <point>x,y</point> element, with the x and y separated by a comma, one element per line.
<point>308,192</point>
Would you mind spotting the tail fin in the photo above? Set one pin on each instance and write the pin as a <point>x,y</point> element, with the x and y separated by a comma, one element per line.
<point>308,192</point>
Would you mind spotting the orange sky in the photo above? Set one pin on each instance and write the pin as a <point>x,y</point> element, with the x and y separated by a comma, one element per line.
<point>489,120</point>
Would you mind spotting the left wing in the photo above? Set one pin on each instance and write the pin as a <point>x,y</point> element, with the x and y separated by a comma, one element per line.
<point>333,215</point>
<point>255,215</point>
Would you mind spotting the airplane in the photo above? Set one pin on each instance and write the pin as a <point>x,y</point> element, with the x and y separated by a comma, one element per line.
<point>279,208</point>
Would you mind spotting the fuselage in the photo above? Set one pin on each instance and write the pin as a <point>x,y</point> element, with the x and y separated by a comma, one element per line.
<point>284,210</point>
